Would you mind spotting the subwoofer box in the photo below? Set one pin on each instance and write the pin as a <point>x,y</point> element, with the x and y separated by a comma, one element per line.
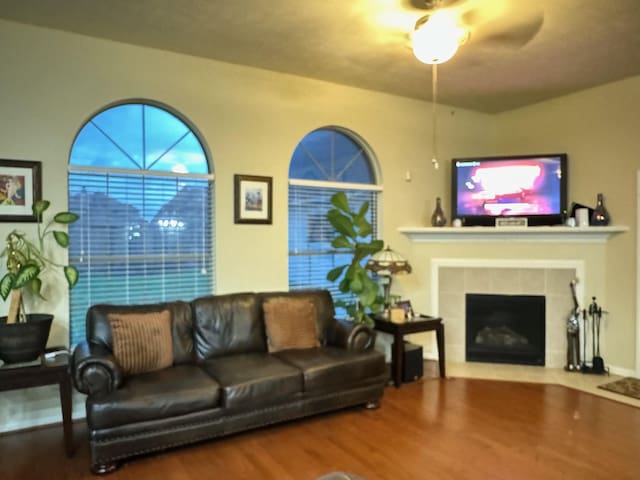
<point>412,364</point>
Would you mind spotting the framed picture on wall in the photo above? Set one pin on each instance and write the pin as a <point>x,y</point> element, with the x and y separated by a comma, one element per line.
<point>252,199</point>
<point>20,188</point>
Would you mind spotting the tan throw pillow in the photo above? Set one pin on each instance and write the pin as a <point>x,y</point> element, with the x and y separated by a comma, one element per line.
<point>290,324</point>
<point>142,341</point>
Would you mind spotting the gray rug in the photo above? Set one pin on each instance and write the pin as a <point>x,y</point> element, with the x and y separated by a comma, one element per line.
<point>628,386</point>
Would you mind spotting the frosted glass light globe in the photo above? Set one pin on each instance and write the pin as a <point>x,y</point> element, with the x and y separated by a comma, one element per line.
<point>437,40</point>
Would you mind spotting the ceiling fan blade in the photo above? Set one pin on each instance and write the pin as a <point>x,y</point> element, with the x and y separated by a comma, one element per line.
<point>419,4</point>
<point>502,23</point>
<point>510,33</point>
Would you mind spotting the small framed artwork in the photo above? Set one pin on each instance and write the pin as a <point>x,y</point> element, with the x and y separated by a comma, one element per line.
<point>20,188</point>
<point>406,306</point>
<point>252,199</point>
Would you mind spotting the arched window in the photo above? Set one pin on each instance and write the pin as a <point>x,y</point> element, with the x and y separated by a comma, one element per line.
<point>327,160</point>
<point>139,179</point>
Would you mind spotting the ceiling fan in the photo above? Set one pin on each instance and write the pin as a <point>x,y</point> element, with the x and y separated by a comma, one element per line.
<point>494,23</point>
<point>442,26</point>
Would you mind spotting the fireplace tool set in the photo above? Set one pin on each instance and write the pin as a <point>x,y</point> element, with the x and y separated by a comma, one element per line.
<point>594,313</point>
<point>597,362</point>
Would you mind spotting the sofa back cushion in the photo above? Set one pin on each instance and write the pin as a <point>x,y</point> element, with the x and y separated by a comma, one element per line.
<point>290,323</point>
<point>227,324</point>
<point>142,341</point>
<point>99,329</point>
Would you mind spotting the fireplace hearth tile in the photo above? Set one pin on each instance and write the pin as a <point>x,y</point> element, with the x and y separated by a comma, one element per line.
<point>477,279</point>
<point>532,281</point>
<point>505,281</point>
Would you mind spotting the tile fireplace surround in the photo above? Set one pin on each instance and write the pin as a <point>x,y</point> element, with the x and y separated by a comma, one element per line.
<point>452,279</point>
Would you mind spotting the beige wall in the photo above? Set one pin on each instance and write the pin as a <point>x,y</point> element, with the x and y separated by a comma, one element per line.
<point>598,128</point>
<point>251,120</point>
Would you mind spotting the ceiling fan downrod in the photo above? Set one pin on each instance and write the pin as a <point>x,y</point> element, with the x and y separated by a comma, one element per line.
<point>434,115</point>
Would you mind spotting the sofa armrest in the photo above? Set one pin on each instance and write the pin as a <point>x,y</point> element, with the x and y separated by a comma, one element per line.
<point>350,335</point>
<point>94,369</point>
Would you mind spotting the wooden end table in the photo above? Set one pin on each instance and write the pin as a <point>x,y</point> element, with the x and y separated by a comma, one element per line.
<point>46,373</point>
<point>417,324</point>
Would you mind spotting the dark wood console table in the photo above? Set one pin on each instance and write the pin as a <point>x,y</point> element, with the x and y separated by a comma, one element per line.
<point>420,323</point>
<point>46,373</point>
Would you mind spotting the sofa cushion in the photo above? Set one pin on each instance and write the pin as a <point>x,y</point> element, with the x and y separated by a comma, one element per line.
<point>142,341</point>
<point>161,394</point>
<point>181,331</point>
<point>331,368</point>
<point>228,324</point>
<point>290,323</point>
<point>254,379</point>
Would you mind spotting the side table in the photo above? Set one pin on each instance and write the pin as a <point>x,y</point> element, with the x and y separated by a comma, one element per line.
<point>420,323</point>
<point>45,373</point>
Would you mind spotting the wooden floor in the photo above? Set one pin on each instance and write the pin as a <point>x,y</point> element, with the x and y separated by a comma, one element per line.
<point>431,429</point>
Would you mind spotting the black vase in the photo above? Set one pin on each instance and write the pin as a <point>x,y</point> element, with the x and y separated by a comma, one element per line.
<point>600,215</point>
<point>438,218</point>
<point>24,342</point>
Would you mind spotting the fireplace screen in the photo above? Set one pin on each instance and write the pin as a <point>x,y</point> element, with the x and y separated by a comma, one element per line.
<point>505,329</point>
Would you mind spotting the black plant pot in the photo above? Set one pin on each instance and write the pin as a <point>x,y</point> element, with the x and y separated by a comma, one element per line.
<point>23,342</point>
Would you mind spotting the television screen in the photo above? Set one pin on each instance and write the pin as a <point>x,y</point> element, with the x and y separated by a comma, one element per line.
<point>531,186</point>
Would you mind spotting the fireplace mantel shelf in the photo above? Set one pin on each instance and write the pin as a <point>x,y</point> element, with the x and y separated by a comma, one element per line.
<point>554,234</point>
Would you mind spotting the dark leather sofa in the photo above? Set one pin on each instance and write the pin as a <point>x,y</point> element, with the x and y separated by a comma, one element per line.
<point>223,379</point>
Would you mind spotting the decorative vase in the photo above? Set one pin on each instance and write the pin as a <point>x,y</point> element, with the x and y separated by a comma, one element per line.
<point>600,215</point>
<point>23,342</point>
<point>437,217</point>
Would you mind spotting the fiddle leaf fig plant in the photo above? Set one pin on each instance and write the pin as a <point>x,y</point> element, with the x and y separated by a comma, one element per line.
<point>352,232</point>
<point>26,260</point>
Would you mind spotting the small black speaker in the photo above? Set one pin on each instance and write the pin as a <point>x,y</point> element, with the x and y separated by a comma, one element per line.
<point>412,364</point>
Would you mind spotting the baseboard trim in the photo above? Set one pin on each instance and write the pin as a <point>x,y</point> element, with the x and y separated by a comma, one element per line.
<point>623,372</point>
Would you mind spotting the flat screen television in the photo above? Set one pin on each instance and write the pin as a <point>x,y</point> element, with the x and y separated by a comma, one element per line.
<point>530,186</point>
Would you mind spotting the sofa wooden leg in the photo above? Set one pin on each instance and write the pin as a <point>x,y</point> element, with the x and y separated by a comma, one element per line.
<point>104,468</point>
<point>372,405</point>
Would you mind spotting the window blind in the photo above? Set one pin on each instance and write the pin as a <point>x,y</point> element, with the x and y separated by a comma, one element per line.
<point>311,255</point>
<point>141,238</point>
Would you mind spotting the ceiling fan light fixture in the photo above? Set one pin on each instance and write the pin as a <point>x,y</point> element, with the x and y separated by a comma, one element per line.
<point>436,37</point>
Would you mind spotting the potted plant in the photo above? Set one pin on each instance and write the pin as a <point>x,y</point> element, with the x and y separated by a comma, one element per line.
<point>352,230</point>
<point>24,336</point>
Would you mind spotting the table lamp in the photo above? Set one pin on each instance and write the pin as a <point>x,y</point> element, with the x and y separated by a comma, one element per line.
<point>387,263</point>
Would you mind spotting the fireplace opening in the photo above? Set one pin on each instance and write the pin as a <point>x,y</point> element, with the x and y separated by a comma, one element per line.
<point>505,329</point>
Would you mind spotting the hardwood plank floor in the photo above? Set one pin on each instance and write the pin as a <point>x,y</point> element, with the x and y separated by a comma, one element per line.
<point>432,429</point>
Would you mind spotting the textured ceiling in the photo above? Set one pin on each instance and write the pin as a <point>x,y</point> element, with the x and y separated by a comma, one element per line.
<point>364,43</point>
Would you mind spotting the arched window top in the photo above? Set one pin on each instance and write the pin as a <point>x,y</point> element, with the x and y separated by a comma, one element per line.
<point>138,136</point>
<point>332,154</point>
<point>326,160</point>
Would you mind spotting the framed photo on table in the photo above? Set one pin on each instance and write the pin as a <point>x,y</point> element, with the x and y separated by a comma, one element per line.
<point>406,306</point>
<point>20,188</point>
<point>252,199</point>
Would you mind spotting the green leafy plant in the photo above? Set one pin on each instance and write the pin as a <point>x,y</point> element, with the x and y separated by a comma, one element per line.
<point>352,229</point>
<point>27,260</point>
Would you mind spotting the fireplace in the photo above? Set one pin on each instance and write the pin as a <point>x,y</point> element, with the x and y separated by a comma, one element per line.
<point>505,328</point>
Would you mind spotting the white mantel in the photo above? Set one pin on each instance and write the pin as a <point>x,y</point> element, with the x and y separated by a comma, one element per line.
<point>555,234</point>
